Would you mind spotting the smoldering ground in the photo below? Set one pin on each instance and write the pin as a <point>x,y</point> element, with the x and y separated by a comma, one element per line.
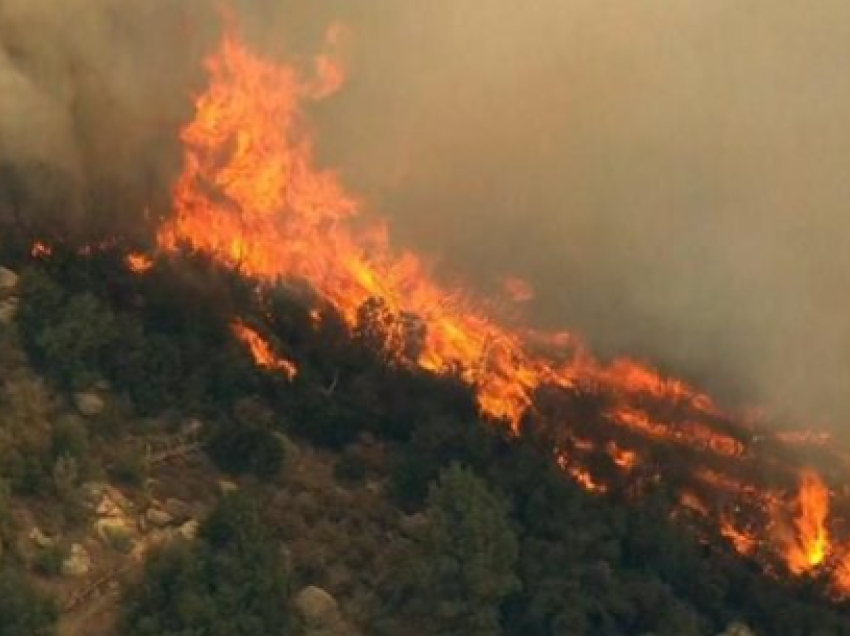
<point>669,175</point>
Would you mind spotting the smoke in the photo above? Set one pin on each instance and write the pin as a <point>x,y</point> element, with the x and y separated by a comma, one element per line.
<point>92,94</point>
<point>668,175</point>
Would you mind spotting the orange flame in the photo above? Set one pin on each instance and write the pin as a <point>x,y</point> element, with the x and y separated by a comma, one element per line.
<point>41,250</point>
<point>139,263</point>
<point>809,546</point>
<point>252,196</point>
<point>742,541</point>
<point>262,351</point>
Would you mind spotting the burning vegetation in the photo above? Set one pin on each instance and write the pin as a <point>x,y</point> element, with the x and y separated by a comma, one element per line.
<point>252,197</point>
<point>252,200</point>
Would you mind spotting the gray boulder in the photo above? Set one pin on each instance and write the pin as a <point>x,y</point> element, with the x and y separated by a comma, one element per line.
<point>317,608</point>
<point>89,404</point>
<point>158,518</point>
<point>8,281</point>
<point>8,310</point>
<point>78,562</point>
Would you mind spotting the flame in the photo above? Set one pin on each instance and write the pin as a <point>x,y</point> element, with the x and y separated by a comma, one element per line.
<point>262,351</point>
<point>743,542</point>
<point>809,546</point>
<point>139,263</point>
<point>625,459</point>
<point>579,474</point>
<point>41,250</point>
<point>252,196</point>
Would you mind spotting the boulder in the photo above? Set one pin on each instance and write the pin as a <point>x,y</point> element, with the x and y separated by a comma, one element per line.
<point>8,310</point>
<point>89,404</point>
<point>180,511</point>
<point>40,539</point>
<point>189,530</point>
<point>77,563</point>
<point>8,280</point>
<point>158,518</point>
<point>316,607</point>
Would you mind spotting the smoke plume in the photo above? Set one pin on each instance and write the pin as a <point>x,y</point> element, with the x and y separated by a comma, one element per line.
<point>668,175</point>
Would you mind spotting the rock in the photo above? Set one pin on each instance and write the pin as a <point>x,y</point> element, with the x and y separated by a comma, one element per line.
<point>738,629</point>
<point>8,310</point>
<point>180,511</point>
<point>89,404</point>
<point>8,280</point>
<point>412,525</point>
<point>189,530</point>
<point>78,562</point>
<point>158,518</point>
<point>316,607</point>
<point>41,539</point>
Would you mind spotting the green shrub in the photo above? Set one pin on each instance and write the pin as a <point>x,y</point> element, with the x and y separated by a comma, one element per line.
<point>350,468</point>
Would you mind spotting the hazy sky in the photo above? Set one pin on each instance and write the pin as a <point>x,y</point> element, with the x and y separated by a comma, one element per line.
<point>670,175</point>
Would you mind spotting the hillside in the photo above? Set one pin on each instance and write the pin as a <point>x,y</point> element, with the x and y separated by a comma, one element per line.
<point>155,472</point>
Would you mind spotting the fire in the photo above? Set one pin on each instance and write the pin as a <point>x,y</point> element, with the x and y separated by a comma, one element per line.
<point>262,351</point>
<point>41,250</point>
<point>625,459</point>
<point>743,542</point>
<point>809,546</point>
<point>139,263</point>
<point>252,196</point>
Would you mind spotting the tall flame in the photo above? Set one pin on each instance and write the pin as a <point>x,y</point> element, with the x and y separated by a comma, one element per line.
<point>810,543</point>
<point>252,196</point>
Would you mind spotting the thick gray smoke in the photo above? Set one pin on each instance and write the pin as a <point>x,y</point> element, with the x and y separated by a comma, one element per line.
<point>668,174</point>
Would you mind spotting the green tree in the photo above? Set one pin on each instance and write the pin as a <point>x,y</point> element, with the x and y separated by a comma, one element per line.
<point>23,610</point>
<point>75,343</point>
<point>231,583</point>
<point>465,563</point>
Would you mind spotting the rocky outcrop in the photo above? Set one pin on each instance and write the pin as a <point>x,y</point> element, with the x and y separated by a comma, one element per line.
<point>158,518</point>
<point>8,299</point>
<point>89,404</point>
<point>40,539</point>
<point>8,281</point>
<point>78,562</point>
<point>316,608</point>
